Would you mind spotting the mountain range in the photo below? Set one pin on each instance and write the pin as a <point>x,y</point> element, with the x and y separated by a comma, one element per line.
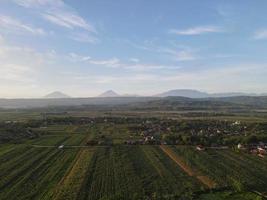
<point>198,94</point>
<point>189,93</point>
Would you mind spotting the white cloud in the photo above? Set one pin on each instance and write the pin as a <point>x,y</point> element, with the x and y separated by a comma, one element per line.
<point>261,34</point>
<point>197,30</point>
<point>10,24</point>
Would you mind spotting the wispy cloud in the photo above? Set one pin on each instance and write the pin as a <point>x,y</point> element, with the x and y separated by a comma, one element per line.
<point>135,60</point>
<point>261,34</point>
<point>10,24</point>
<point>133,64</point>
<point>57,12</point>
<point>184,56</point>
<point>68,20</point>
<point>197,30</point>
<point>104,79</point>
<point>113,62</point>
<point>84,38</point>
<point>38,3</point>
<point>1,39</point>
<point>117,63</point>
<point>78,58</point>
<point>175,52</point>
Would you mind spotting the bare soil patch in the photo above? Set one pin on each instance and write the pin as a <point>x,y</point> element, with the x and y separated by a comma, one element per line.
<point>191,172</point>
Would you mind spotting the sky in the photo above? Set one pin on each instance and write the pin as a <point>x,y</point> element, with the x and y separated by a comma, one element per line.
<point>84,47</point>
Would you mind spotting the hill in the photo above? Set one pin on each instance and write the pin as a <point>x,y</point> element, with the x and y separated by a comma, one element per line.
<point>56,95</point>
<point>198,94</point>
<point>184,93</point>
<point>109,93</point>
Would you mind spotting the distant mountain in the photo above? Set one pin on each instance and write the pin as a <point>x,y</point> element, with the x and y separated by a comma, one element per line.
<point>233,94</point>
<point>184,93</point>
<point>109,93</point>
<point>197,94</point>
<point>256,101</point>
<point>131,95</point>
<point>56,95</point>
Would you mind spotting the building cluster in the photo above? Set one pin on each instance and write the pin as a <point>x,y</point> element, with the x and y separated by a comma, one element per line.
<point>259,149</point>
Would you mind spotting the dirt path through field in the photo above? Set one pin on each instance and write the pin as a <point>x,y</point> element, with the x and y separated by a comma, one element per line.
<point>203,179</point>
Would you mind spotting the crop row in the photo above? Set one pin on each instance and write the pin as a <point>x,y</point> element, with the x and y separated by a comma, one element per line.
<point>227,168</point>
<point>32,173</point>
<point>134,172</point>
<point>69,186</point>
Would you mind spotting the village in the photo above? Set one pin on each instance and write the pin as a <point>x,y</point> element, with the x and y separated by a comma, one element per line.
<point>210,136</point>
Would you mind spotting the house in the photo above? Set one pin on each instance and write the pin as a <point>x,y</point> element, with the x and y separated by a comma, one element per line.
<point>261,150</point>
<point>236,123</point>
<point>240,146</point>
<point>253,151</point>
<point>261,155</point>
<point>163,143</point>
<point>200,148</point>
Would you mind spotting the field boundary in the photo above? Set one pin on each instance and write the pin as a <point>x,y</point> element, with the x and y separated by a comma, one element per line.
<point>179,161</point>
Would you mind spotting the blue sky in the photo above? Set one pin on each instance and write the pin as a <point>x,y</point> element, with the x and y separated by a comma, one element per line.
<point>83,47</point>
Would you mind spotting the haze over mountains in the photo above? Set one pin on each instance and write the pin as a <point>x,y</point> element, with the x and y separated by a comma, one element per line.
<point>56,95</point>
<point>189,93</point>
<point>109,93</point>
<point>198,94</point>
<point>180,98</point>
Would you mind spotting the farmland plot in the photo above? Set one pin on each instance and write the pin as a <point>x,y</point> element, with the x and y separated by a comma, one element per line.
<point>69,186</point>
<point>228,168</point>
<point>33,173</point>
<point>133,172</point>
